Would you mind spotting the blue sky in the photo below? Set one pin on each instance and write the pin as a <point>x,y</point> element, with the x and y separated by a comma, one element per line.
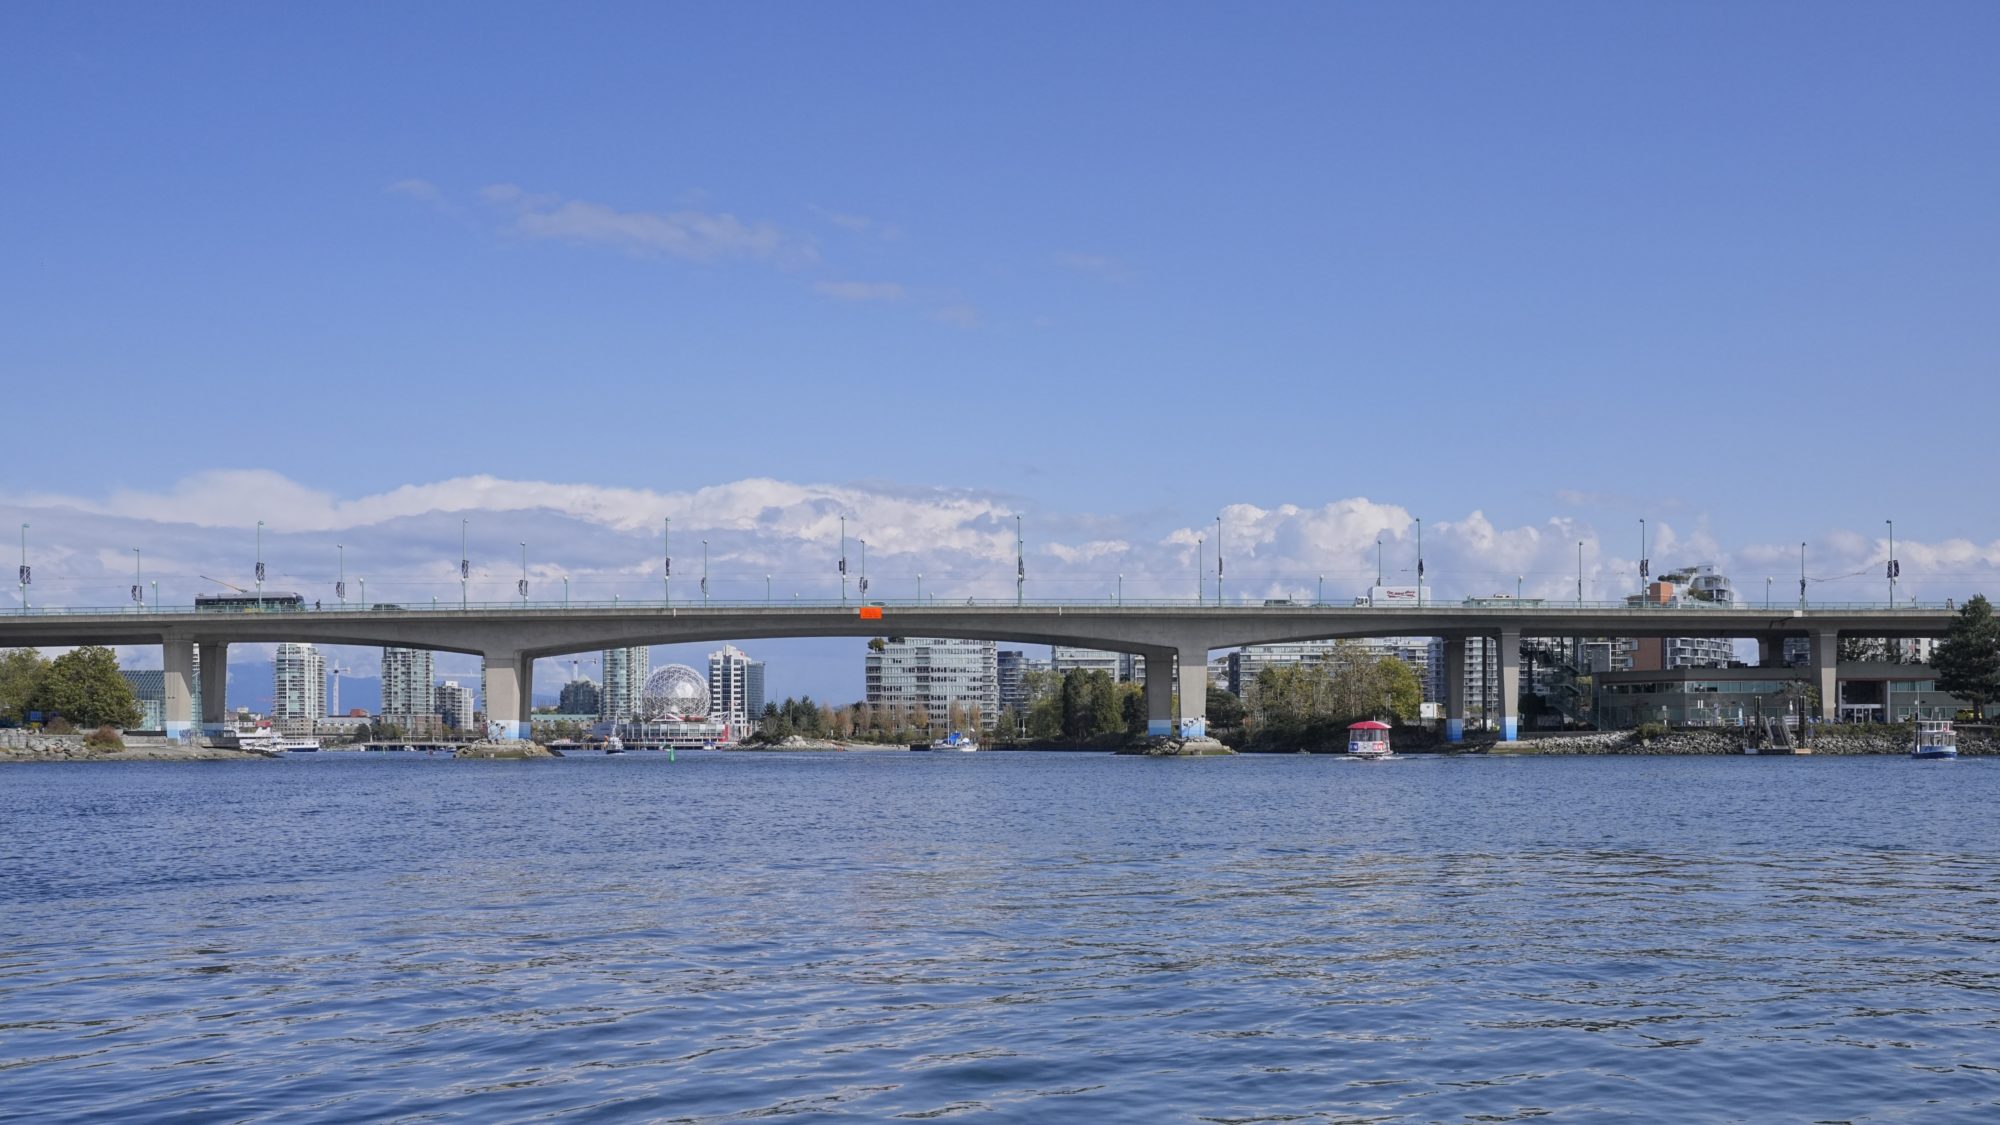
<point>1544,269</point>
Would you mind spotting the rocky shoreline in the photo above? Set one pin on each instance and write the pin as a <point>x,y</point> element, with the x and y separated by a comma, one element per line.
<point>33,746</point>
<point>504,750</point>
<point>1828,741</point>
<point>800,742</point>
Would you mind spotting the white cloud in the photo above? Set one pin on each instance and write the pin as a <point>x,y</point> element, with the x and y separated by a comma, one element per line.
<point>607,542</point>
<point>965,316</point>
<point>693,235</point>
<point>422,190</point>
<point>860,290</point>
<point>859,224</point>
<point>1088,552</point>
<point>1095,265</point>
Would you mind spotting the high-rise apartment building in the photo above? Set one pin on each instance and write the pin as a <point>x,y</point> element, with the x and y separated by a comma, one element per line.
<point>298,689</point>
<point>1066,660</point>
<point>408,694</point>
<point>455,705</point>
<point>753,688</point>
<point>729,688</point>
<point>1010,668</point>
<point>625,671</point>
<point>580,696</point>
<point>936,675</point>
<point>1688,586</point>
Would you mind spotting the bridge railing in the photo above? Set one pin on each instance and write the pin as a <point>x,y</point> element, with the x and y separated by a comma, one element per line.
<point>637,605</point>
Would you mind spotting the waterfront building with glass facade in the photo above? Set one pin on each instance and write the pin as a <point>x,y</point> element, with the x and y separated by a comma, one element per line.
<point>937,675</point>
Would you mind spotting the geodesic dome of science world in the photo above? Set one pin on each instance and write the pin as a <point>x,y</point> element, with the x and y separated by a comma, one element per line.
<point>674,692</point>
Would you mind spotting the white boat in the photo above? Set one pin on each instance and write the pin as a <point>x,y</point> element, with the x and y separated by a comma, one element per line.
<point>1934,738</point>
<point>956,741</point>
<point>614,745</point>
<point>294,744</point>
<point>257,740</point>
<point>1368,741</point>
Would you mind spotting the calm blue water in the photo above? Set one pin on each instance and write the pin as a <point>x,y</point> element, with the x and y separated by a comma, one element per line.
<point>1004,937</point>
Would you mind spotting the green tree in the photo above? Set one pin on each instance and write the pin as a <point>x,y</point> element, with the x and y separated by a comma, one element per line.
<point>1968,659</point>
<point>1396,687</point>
<point>21,672</point>
<point>1225,711</point>
<point>1132,707</point>
<point>84,687</point>
<point>1106,717</point>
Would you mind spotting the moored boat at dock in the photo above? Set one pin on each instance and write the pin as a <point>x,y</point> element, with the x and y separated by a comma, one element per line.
<point>1934,739</point>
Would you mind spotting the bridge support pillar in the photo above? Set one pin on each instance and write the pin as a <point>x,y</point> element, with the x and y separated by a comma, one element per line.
<point>1192,722</point>
<point>510,685</point>
<point>1454,689</point>
<point>177,708</point>
<point>1510,684</point>
<point>214,689</point>
<point>1826,672</point>
<point>1160,693</point>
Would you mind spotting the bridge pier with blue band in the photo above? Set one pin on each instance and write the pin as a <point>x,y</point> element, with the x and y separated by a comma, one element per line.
<point>177,704</point>
<point>1160,693</point>
<point>510,686</point>
<point>214,691</point>
<point>1454,689</point>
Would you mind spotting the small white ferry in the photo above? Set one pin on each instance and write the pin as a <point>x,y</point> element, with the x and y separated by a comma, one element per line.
<point>1368,741</point>
<point>294,744</point>
<point>1934,738</point>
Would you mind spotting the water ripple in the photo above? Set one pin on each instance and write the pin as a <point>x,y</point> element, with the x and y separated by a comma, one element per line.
<point>1000,936</point>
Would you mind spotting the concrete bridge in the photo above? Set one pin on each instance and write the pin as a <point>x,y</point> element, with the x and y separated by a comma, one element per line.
<point>510,637</point>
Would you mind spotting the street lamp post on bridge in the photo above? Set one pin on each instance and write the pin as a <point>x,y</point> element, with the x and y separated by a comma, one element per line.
<point>26,576</point>
<point>1894,568</point>
<point>1645,564</point>
<point>1421,599</point>
<point>138,581</point>
<point>1218,560</point>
